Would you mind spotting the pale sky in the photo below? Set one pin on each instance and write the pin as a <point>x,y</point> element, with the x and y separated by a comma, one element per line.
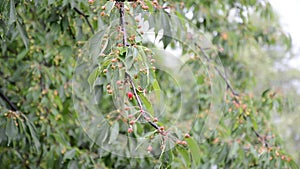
<point>289,12</point>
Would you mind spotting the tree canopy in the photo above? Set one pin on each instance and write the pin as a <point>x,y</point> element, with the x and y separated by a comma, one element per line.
<point>139,84</point>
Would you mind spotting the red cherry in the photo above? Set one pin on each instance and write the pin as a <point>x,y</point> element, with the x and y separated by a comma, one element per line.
<point>149,148</point>
<point>130,130</point>
<point>187,135</point>
<point>130,95</point>
<point>183,143</point>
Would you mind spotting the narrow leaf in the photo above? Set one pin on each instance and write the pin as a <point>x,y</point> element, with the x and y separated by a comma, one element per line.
<point>184,153</point>
<point>92,78</point>
<point>32,133</point>
<point>156,89</point>
<point>114,132</point>
<point>23,34</point>
<point>69,154</point>
<point>11,130</point>
<point>21,55</point>
<point>12,13</point>
<point>109,6</point>
<point>147,104</point>
<point>195,150</point>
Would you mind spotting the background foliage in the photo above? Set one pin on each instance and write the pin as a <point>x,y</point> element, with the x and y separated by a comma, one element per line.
<point>41,41</point>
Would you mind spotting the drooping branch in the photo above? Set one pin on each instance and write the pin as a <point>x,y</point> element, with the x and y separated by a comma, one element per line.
<point>219,72</point>
<point>85,17</point>
<point>129,78</point>
<point>142,111</point>
<point>261,138</point>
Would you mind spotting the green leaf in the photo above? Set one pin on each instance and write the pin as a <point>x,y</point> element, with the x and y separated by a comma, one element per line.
<point>21,55</point>
<point>102,137</point>
<point>233,150</point>
<point>59,138</point>
<point>166,157</point>
<point>167,34</point>
<point>69,154</point>
<point>293,165</point>
<point>66,51</point>
<point>253,120</point>
<point>156,89</point>
<point>95,42</point>
<point>150,5</point>
<point>138,129</point>
<point>103,45</point>
<point>58,102</point>
<point>92,78</point>
<point>32,133</point>
<point>195,150</point>
<point>114,132</point>
<point>73,164</point>
<point>50,2</point>
<point>184,153</point>
<point>222,155</point>
<point>131,54</point>
<point>23,34</point>
<point>12,13</point>
<point>147,104</point>
<point>11,130</point>
<point>264,94</point>
<point>109,6</point>
<point>50,155</point>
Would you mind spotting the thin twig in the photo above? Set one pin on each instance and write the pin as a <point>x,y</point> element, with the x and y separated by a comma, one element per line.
<point>128,77</point>
<point>227,82</point>
<point>6,99</point>
<point>219,72</point>
<point>260,137</point>
<point>85,17</point>
<point>234,93</point>
<point>71,32</point>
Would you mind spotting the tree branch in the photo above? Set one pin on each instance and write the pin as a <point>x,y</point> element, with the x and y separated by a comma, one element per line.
<point>123,23</point>
<point>219,72</point>
<point>146,117</point>
<point>128,77</point>
<point>262,139</point>
<point>234,93</point>
<point>6,99</point>
<point>85,17</point>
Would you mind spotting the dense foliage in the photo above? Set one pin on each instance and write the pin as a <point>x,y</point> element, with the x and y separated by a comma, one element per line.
<point>96,84</point>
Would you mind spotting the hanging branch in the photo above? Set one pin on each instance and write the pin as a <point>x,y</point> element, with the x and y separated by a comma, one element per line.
<point>219,72</point>
<point>85,17</point>
<point>142,111</point>
<point>261,138</point>
<point>129,78</point>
